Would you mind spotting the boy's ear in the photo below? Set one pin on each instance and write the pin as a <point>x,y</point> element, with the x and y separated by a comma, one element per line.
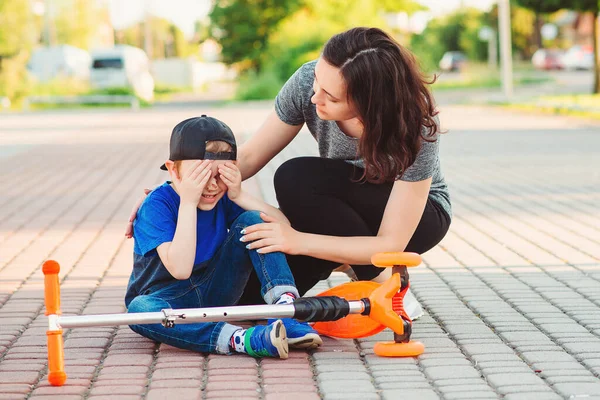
<point>171,168</point>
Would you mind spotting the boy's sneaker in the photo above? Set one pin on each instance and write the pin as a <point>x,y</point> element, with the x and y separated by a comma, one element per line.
<point>412,306</point>
<point>301,335</point>
<point>267,340</point>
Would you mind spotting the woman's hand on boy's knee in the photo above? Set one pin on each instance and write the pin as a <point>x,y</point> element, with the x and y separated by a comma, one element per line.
<point>272,236</point>
<point>134,210</point>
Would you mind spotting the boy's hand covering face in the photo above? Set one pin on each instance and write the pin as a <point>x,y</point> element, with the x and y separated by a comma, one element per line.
<point>232,177</point>
<point>191,181</point>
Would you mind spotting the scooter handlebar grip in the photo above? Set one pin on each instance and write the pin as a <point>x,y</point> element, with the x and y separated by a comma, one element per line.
<point>322,308</point>
<point>56,361</point>
<point>51,287</point>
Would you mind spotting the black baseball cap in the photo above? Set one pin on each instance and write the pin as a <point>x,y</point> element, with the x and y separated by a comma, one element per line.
<point>189,137</point>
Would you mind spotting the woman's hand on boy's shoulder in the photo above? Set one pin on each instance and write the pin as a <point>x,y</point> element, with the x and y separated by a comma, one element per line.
<point>232,177</point>
<point>134,210</point>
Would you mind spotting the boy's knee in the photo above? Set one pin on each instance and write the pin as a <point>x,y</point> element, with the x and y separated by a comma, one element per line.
<point>248,218</point>
<point>145,304</point>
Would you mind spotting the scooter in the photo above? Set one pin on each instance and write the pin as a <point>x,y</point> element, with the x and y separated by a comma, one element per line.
<point>351,310</point>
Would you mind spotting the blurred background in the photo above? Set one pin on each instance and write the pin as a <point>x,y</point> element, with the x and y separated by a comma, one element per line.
<point>53,52</point>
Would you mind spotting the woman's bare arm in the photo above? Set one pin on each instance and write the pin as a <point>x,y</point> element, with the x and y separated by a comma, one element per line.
<point>268,141</point>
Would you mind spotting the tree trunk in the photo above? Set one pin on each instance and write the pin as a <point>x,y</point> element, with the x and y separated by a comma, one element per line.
<point>537,34</point>
<point>596,54</point>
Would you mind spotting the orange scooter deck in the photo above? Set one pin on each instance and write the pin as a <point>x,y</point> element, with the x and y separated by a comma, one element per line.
<point>353,326</point>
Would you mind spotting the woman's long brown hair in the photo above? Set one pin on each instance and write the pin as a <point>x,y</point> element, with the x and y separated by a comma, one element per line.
<point>389,93</point>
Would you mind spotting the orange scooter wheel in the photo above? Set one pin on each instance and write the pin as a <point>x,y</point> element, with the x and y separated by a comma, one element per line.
<point>353,326</point>
<point>393,349</point>
<point>391,259</point>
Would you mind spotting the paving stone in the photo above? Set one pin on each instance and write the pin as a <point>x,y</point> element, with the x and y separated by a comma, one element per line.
<point>291,396</point>
<point>473,394</point>
<point>350,396</point>
<point>546,356</point>
<point>397,374</point>
<point>117,390</point>
<point>519,388</point>
<point>459,382</point>
<point>444,372</point>
<point>420,384</point>
<point>17,388</point>
<point>60,391</point>
<point>523,369</point>
<point>239,385</point>
<point>236,394</point>
<point>339,368</point>
<point>171,373</point>
<point>462,389</point>
<point>346,387</point>
<point>178,383</point>
<point>284,388</point>
<point>421,394</point>
<point>334,376</point>
<point>532,396</point>
<point>571,379</point>
<point>578,389</point>
<point>174,393</point>
<point>505,379</point>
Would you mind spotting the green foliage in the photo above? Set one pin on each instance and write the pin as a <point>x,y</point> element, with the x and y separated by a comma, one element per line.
<point>16,27</point>
<point>550,6</point>
<point>167,39</point>
<point>243,27</point>
<point>545,6</point>
<point>14,81</point>
<point>289,47</point>
<point>455,32</point>
<point>408,6</point>
<point>258,86</point>
<point>75,22</point>
<point>17,35</point>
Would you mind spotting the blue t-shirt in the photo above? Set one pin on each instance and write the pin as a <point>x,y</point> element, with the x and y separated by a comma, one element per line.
<point>155,224</point>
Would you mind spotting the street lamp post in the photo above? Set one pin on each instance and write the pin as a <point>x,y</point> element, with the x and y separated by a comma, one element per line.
<point>505,47</point>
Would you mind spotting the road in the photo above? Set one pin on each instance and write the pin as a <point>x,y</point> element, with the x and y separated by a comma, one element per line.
<point>511,294</point>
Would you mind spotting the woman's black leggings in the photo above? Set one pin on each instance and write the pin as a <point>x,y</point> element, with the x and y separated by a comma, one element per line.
<point>320,195</point>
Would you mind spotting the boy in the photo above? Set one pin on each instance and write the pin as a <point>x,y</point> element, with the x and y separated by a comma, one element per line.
<point>188,252</point>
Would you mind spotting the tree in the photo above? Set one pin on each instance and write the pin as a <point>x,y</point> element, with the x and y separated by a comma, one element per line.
<point>75,22</point>
<point>17,36</point>
<point>593,6</point>
<point>243,27</point>
<point>454,32</point>
<point>167,39</point>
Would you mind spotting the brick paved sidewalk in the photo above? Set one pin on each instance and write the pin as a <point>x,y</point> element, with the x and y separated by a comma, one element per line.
<point>512,294</point>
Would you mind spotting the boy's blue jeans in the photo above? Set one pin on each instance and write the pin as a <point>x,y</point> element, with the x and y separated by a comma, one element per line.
<point>218,282</point>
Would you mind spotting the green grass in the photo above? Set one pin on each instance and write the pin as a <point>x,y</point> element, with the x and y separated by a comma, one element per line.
<point>580,105</point>
<point>73,87</point>
<point>480,76</point>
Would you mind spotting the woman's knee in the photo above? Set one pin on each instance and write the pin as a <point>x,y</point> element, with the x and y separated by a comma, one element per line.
<point>295,171</point>
<point>296,177</point>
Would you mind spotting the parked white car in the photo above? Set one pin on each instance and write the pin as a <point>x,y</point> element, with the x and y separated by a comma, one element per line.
<point>123,66</point>
<point>47,63</point>
<point>579,57</point>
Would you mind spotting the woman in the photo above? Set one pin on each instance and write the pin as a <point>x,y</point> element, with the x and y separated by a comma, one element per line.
<point>377,185</point>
